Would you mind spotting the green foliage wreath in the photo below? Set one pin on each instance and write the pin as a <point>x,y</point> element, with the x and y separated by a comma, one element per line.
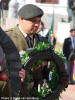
<point>48,87</point>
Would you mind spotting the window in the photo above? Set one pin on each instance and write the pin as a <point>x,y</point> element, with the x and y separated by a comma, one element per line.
<point>47,1</point>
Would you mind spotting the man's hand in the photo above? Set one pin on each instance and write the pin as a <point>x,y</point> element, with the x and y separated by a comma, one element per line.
<point>22,74</point>
<point>45,63</point>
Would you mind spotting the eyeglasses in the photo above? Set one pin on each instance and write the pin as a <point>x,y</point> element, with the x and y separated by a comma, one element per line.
<point>35,21</point>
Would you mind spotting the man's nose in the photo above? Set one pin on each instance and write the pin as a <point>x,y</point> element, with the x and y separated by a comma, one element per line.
<point>37,24</point>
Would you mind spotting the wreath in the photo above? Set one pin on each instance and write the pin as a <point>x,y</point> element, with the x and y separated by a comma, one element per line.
<point>43,80</point>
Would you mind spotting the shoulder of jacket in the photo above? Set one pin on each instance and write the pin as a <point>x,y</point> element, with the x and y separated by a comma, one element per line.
<point>69,38</point>
<point>9,30</point>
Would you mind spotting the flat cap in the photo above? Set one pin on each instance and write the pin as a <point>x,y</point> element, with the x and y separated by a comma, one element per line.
<point>30,11</point>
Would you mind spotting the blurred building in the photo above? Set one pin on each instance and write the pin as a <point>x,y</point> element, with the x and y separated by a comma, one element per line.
<point>59,7</point>
<point>72,6</point>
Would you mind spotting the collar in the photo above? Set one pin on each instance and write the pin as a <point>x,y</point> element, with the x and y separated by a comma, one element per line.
<point>24,34</point>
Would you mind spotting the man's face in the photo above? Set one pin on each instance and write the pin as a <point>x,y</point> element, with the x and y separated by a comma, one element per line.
<point>73,33</point>
<point>30,26</point>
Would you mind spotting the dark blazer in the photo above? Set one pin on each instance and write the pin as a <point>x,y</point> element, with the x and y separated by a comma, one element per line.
<point>13,59</point>
<point>67,47</point>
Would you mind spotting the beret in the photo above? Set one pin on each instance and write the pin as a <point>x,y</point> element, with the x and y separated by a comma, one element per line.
<point>30,11</point>
<point>72,30</point>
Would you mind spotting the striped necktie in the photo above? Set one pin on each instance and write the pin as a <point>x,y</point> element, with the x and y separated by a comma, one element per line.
<point>29,41</point>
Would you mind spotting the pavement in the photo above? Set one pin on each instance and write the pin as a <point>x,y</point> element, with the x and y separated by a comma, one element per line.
<point>69,94</point>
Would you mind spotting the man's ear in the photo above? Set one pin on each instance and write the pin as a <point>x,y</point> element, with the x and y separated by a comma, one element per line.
<point>21,18</point>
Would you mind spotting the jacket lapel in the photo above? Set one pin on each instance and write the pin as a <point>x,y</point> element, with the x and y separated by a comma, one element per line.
<point>20,37</point>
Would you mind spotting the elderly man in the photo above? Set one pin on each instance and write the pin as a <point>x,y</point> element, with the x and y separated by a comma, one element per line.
<point>24,34</point>
<point>29,21</point>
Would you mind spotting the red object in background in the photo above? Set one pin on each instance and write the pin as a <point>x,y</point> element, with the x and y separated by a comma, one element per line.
<point>74,71</point>
<point>47,1</point>
<point>51,37</point>
<point>3,76</point>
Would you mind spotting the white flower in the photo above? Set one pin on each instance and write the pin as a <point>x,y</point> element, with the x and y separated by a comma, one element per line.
<point>22,53</point>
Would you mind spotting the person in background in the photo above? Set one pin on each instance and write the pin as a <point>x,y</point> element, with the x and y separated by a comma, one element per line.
<point>68,51</point>
<point>16,73</point>
<point>42,30</point>
<point>2,61</point>
<point>24,34</point>
<point>68,45</point>
<point>3,76</point>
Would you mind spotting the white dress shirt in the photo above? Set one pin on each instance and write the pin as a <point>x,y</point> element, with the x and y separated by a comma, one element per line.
<point>73,41</point>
